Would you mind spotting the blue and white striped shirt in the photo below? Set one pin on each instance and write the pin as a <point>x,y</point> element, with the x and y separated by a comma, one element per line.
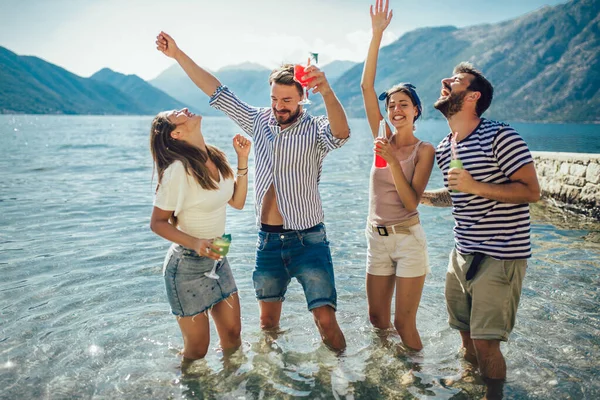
<point>291,159</point>
<point>491,154</point>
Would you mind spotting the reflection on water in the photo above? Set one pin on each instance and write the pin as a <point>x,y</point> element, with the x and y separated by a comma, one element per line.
<point>83,312</point>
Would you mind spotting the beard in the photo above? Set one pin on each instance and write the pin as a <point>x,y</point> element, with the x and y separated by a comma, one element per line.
<point>281,120</point>
<point>451,104</point>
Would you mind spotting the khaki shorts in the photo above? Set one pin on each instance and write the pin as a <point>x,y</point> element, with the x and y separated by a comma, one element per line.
<point>400,254</point>
<point>486,305</point>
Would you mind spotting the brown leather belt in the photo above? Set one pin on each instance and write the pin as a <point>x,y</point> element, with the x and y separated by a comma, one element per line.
<point>401,227</point>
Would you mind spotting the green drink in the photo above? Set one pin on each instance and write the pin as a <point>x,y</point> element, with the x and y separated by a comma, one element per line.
<point>456,163</point>
<point>223,243</point>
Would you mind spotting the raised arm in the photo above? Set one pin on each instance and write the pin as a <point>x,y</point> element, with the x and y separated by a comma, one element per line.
<point>241,146</point>
<point>380,19</point>
<point>335,112</point>
<point>206,81</point>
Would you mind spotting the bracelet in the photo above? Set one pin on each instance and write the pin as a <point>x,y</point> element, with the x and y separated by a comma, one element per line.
<point>244,174</point>
<point>242,169</point>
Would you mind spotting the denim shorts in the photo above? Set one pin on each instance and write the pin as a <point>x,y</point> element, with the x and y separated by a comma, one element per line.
<point>303,255</point>
<point>189,291</point>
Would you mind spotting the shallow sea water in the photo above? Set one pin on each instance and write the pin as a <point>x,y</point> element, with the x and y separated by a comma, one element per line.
<point>83,313</point>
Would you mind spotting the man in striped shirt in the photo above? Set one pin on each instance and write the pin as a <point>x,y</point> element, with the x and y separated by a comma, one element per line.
<point>290,146</point>
<point>489,196</point>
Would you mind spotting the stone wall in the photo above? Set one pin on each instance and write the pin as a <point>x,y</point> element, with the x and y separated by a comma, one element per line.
<point>571,178</point>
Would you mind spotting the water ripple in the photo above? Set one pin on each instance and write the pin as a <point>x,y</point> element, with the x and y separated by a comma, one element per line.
<point>84,314</point>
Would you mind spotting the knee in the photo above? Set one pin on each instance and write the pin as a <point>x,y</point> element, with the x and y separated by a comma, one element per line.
<point>486,348</point>
<point>325,320</point>
<point>233,332</point>
<point>195,352</point>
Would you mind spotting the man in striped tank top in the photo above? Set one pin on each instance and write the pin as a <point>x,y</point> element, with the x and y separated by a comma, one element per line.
<point>290,146</point>
<point>490,196</point>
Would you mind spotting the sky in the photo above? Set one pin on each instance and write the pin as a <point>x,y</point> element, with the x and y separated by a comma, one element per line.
<point>84,36</point>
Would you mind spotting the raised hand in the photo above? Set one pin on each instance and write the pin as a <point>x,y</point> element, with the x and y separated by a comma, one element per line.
<point>241,145</point>
<point>316,80</point>
<point>166,44</point>
<point>380,17</point>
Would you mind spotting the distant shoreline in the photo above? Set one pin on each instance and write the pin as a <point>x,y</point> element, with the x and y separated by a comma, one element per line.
<point>4,112</point>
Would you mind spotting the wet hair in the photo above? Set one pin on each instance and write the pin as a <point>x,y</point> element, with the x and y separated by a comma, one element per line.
<point>478,84</point>
<point>284,75</point>
<point>166,150</point>
<point>409,90</point>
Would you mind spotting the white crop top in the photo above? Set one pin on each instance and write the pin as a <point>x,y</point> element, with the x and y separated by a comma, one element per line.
<point>200,213</point>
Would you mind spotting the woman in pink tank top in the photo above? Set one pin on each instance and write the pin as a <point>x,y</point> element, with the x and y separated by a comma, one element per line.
<point>397,249</point>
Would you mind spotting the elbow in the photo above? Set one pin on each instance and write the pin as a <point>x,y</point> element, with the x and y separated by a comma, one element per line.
<point>153,226</point>
<point>535,196</point>
<point>342,133</point>
<point>410,208</point>
<point>238,205</point>
<point>366,86</point>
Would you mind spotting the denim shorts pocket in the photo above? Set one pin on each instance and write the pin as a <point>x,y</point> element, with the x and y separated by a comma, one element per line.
<point>314,238</point>
<point>261,243</point>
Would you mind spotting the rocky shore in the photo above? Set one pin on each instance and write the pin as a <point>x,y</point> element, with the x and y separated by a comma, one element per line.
<point>572,179</point>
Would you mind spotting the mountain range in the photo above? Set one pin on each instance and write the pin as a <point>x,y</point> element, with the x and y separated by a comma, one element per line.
<point>545,66</point>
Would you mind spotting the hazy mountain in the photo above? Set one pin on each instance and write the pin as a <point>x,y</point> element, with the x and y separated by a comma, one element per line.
<point>545,65</point>
<point>32,85</point>
<point>249,81</point>
<point>139,90</point>
<point>337,68</point>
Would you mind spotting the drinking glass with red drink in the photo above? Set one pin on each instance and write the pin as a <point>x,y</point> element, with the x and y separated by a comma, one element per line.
<point>380,161</point>
<point>300,77</point>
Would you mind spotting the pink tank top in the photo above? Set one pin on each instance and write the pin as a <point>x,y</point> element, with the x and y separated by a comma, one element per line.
<point>385,206</point>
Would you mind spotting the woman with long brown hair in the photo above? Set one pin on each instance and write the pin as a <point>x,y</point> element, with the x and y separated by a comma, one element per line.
<point>195,184</point>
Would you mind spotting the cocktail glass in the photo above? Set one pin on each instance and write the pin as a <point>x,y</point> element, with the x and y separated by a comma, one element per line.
<point>222,243</point>
<point>299,75</point>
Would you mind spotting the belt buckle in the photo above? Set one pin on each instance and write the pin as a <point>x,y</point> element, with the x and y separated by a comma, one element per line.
<point>382,230</point>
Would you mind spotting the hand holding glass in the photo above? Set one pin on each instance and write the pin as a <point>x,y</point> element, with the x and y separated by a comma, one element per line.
<point>220,246</point>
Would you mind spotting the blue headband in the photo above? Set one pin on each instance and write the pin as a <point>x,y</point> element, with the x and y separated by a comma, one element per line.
<point>413,94</point>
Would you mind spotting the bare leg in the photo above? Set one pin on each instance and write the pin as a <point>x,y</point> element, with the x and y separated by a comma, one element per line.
<point>196,336</point>
<point>270,313</point>
<point>328,327</point>
<point>379,297</point>
<point>227,317</point>
<point>408,297</point>
<point>469,349</point>
<point>492,367</point>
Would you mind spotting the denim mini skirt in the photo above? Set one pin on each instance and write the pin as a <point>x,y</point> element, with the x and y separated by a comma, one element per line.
<point>189,290</point>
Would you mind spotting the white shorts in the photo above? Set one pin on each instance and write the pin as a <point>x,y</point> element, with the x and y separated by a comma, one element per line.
<point>400,254</point>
